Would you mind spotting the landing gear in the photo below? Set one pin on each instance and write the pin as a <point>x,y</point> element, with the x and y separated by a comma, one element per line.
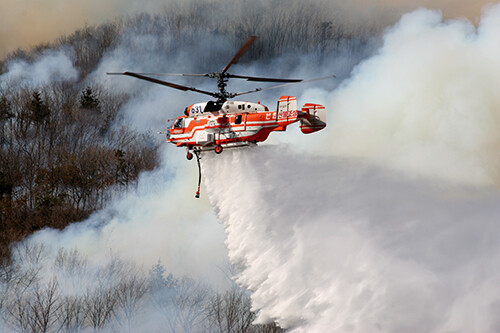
<point>189,156</point>
<point>218,149</point>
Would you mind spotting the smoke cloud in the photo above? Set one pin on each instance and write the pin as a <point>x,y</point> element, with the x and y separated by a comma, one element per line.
<point>52,66</point>
<point>160,220</point>
<point>333,244</point>
<point>426,103</point>
<point>27,23</point>
<point>395,229</point>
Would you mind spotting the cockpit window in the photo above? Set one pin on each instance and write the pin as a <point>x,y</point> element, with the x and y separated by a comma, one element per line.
<point>178,123</point>
<point>213,106</point>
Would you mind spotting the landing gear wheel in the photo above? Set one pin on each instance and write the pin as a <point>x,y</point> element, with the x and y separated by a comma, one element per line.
<point>218,149</point>
<point>189,156</point>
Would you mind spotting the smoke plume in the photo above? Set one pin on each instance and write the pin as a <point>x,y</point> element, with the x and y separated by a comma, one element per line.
<point>52,66</point>
<point>395,229</point>
<point>156,221</point>
<point>334,244</point>
<point>27,23</point>
<point>426,102</point>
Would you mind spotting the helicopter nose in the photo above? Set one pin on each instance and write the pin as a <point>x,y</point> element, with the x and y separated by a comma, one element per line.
<point>168,134</point>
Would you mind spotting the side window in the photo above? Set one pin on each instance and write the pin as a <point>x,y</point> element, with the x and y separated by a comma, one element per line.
<point>237,121</point>
<point>179,122</point>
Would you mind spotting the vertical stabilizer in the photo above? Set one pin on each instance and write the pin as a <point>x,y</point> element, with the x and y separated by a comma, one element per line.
<point>316,119</point>
<point>287,103</point>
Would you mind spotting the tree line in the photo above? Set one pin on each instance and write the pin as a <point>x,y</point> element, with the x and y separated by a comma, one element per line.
<point>61,157</point>
<point>284,27</point>
<point>116,297</point>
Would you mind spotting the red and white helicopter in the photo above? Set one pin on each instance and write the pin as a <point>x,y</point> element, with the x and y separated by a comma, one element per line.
<point>219,124</point>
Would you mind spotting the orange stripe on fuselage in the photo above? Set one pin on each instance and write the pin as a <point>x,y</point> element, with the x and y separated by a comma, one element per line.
<point>265,120</point>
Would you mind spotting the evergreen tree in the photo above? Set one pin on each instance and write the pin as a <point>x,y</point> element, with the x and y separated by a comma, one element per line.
<point>39,111</point>
<point>6,185</point>
<point>89,100</point>
<point>5,108</point>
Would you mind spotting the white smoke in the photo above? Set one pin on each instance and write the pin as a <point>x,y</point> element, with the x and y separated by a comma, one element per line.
<point>161,219</point>
<point>354,242</point>
<point>427,102</point>
<point>332,244</point>
<point>51,66</point>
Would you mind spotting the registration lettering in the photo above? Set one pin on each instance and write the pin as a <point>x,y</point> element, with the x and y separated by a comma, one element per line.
<point>287,114</point>
<point>196,109</point>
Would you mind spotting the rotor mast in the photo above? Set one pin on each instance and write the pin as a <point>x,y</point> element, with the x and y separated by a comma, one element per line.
<point>222,78</point>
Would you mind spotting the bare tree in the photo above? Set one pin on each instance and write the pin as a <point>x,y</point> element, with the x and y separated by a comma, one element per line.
<point>129,294</point>
<point>34,310</point>
<point>230,312</point>
<point>102,298</point>
<point>71,316</point>
<point>190,303</point>
<point>19,314</point>
<point>28,259</point>
<point>44,305</point>
<point>181,302</point>
<point>99,306</point>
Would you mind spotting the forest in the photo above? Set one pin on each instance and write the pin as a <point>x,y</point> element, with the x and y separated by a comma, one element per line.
<point>117,297</point>
<point>65,153</point>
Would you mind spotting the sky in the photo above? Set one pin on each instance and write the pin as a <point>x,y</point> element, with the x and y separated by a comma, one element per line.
<point>25,23</point>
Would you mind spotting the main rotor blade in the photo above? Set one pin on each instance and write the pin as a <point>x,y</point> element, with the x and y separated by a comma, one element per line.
<point>240,53</point>
<point>262,79</point>
<point>282,85</point>
<point>169,74</point>
<point>164,83</point>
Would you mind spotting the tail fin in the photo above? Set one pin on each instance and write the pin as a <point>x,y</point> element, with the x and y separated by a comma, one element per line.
<point>316,120</point>
<point>287,103</point>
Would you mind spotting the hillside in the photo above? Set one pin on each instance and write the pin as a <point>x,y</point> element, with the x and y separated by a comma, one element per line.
<point>75,145</point>
<point>63,152</point>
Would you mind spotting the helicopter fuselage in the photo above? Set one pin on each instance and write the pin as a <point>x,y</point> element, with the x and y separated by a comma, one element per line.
<point>237,123</point>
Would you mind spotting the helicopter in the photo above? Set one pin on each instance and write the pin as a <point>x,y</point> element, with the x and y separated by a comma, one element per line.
<point>221,123</point>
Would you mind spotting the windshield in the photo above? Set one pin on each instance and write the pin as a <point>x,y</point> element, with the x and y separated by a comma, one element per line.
<point>178,123</point>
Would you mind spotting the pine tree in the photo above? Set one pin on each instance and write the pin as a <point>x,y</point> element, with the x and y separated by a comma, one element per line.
<point>89,100</point>
<point>39,111</point>
<point>5,109</point>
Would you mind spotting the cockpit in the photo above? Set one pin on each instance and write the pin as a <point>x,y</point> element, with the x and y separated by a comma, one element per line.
<point>179,123</point>
<point>213,106</point>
